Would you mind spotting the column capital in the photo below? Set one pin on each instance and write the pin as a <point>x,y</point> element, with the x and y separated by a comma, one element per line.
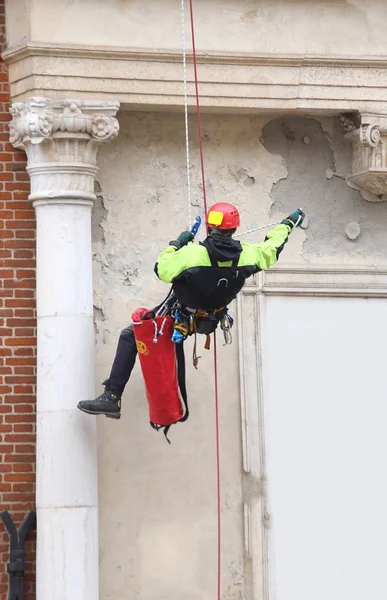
<point>368,132</point>
<point>61,139</point>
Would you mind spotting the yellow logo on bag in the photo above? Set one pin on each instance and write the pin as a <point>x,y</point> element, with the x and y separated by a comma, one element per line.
<point>142,348</point>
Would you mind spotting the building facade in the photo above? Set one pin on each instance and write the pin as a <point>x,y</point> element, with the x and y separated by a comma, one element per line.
<point>93,176</point>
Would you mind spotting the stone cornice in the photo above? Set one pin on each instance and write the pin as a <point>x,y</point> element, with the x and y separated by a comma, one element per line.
<point>237,82</point>
<point>116,52</point>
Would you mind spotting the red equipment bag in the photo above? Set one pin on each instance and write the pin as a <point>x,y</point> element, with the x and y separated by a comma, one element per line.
<point>163,368</point>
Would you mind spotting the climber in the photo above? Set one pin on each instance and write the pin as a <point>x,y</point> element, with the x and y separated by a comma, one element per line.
<point>205,278</point>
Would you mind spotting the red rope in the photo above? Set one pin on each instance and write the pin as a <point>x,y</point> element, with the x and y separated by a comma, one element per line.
<point>217,457</point>
<point>198,105</point>
<point>215,353</point>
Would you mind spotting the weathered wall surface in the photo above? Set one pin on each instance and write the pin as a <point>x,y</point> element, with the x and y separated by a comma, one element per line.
<point>158,503</point>
<point>322,27</point>
<point>342,227</point>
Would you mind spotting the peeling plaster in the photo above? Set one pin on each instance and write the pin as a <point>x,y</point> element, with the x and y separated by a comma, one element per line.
<point>99,214</point>
<point>316,182</point>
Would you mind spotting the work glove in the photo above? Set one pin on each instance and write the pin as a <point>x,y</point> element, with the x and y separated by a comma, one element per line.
<point>295,219</point>
<point>184,238</point>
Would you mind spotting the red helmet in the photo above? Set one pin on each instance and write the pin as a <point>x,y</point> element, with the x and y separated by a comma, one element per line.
<point>223,215</point>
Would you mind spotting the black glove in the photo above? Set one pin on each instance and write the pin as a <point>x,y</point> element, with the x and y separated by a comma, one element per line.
<point>295,219</point>
<point>184,238</point>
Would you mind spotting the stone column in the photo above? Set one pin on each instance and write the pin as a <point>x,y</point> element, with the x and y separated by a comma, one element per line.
<point>61,139</point>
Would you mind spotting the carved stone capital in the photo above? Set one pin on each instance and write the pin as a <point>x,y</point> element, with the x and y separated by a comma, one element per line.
<point>61,139</point>
<point>369,158</point>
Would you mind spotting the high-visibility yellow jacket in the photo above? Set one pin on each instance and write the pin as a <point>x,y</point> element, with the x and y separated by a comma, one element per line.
<point>209,275</point>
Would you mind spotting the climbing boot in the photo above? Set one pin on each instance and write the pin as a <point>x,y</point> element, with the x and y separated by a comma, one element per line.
<point>107,404</point>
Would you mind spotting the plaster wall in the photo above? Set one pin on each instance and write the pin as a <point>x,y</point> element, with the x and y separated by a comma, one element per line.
<point>158,502</point>
<point>347,27</point>
<point>321,432</point>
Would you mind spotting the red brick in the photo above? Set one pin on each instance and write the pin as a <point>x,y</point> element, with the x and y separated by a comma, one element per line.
<point>6,468</point>
<point>19,283</point>
<point>6,273</point>
<point>14,497</point>
<point>4,157</point>
<point>30,370</point>
<point>19,243</point>
<point>24,293</point>
<point>23,379</point>
<point>6,448</point>
<point>22,176</point>
<point>24,332</point>
<point>17,326</point>
<point>22,351</point>
<point>20,468</point>
<point>24,273</point>
<point>14,204</point>
<point>20,477</point>
<point>20,302</point>
<point>24,408</point>
<point>19,156</point>
<point>26,263</point>
<point>20,427</point>
<point>5,331</point>
<point>23,448</point>
<point>23,254</point>
<point>6,235</point>
<point>22,341</point>
<point>24,214</point>
<point>18,224</point>
<point>20,195</point>
<point>21,486</point>
<point>16,185</point>
<point>25,234</point>
<point>21,322</point>
<point>7,177</point>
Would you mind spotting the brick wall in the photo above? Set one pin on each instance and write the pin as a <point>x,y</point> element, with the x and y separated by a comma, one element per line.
<point>17,337</point>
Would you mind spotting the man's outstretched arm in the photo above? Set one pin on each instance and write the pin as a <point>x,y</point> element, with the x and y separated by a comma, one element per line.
<point>267,253</point>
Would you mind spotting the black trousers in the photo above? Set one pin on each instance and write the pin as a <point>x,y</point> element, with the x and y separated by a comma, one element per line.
<point>123,363</point>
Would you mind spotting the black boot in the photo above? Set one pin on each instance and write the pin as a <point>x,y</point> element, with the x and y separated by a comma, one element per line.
<point>108,404</point>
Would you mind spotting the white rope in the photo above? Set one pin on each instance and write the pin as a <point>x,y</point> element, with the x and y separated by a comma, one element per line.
<point>186,112</point>
<point>257,229</point>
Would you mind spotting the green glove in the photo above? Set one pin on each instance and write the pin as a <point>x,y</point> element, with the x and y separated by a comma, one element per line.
<point>184,238</point>
<point>295,219</point>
